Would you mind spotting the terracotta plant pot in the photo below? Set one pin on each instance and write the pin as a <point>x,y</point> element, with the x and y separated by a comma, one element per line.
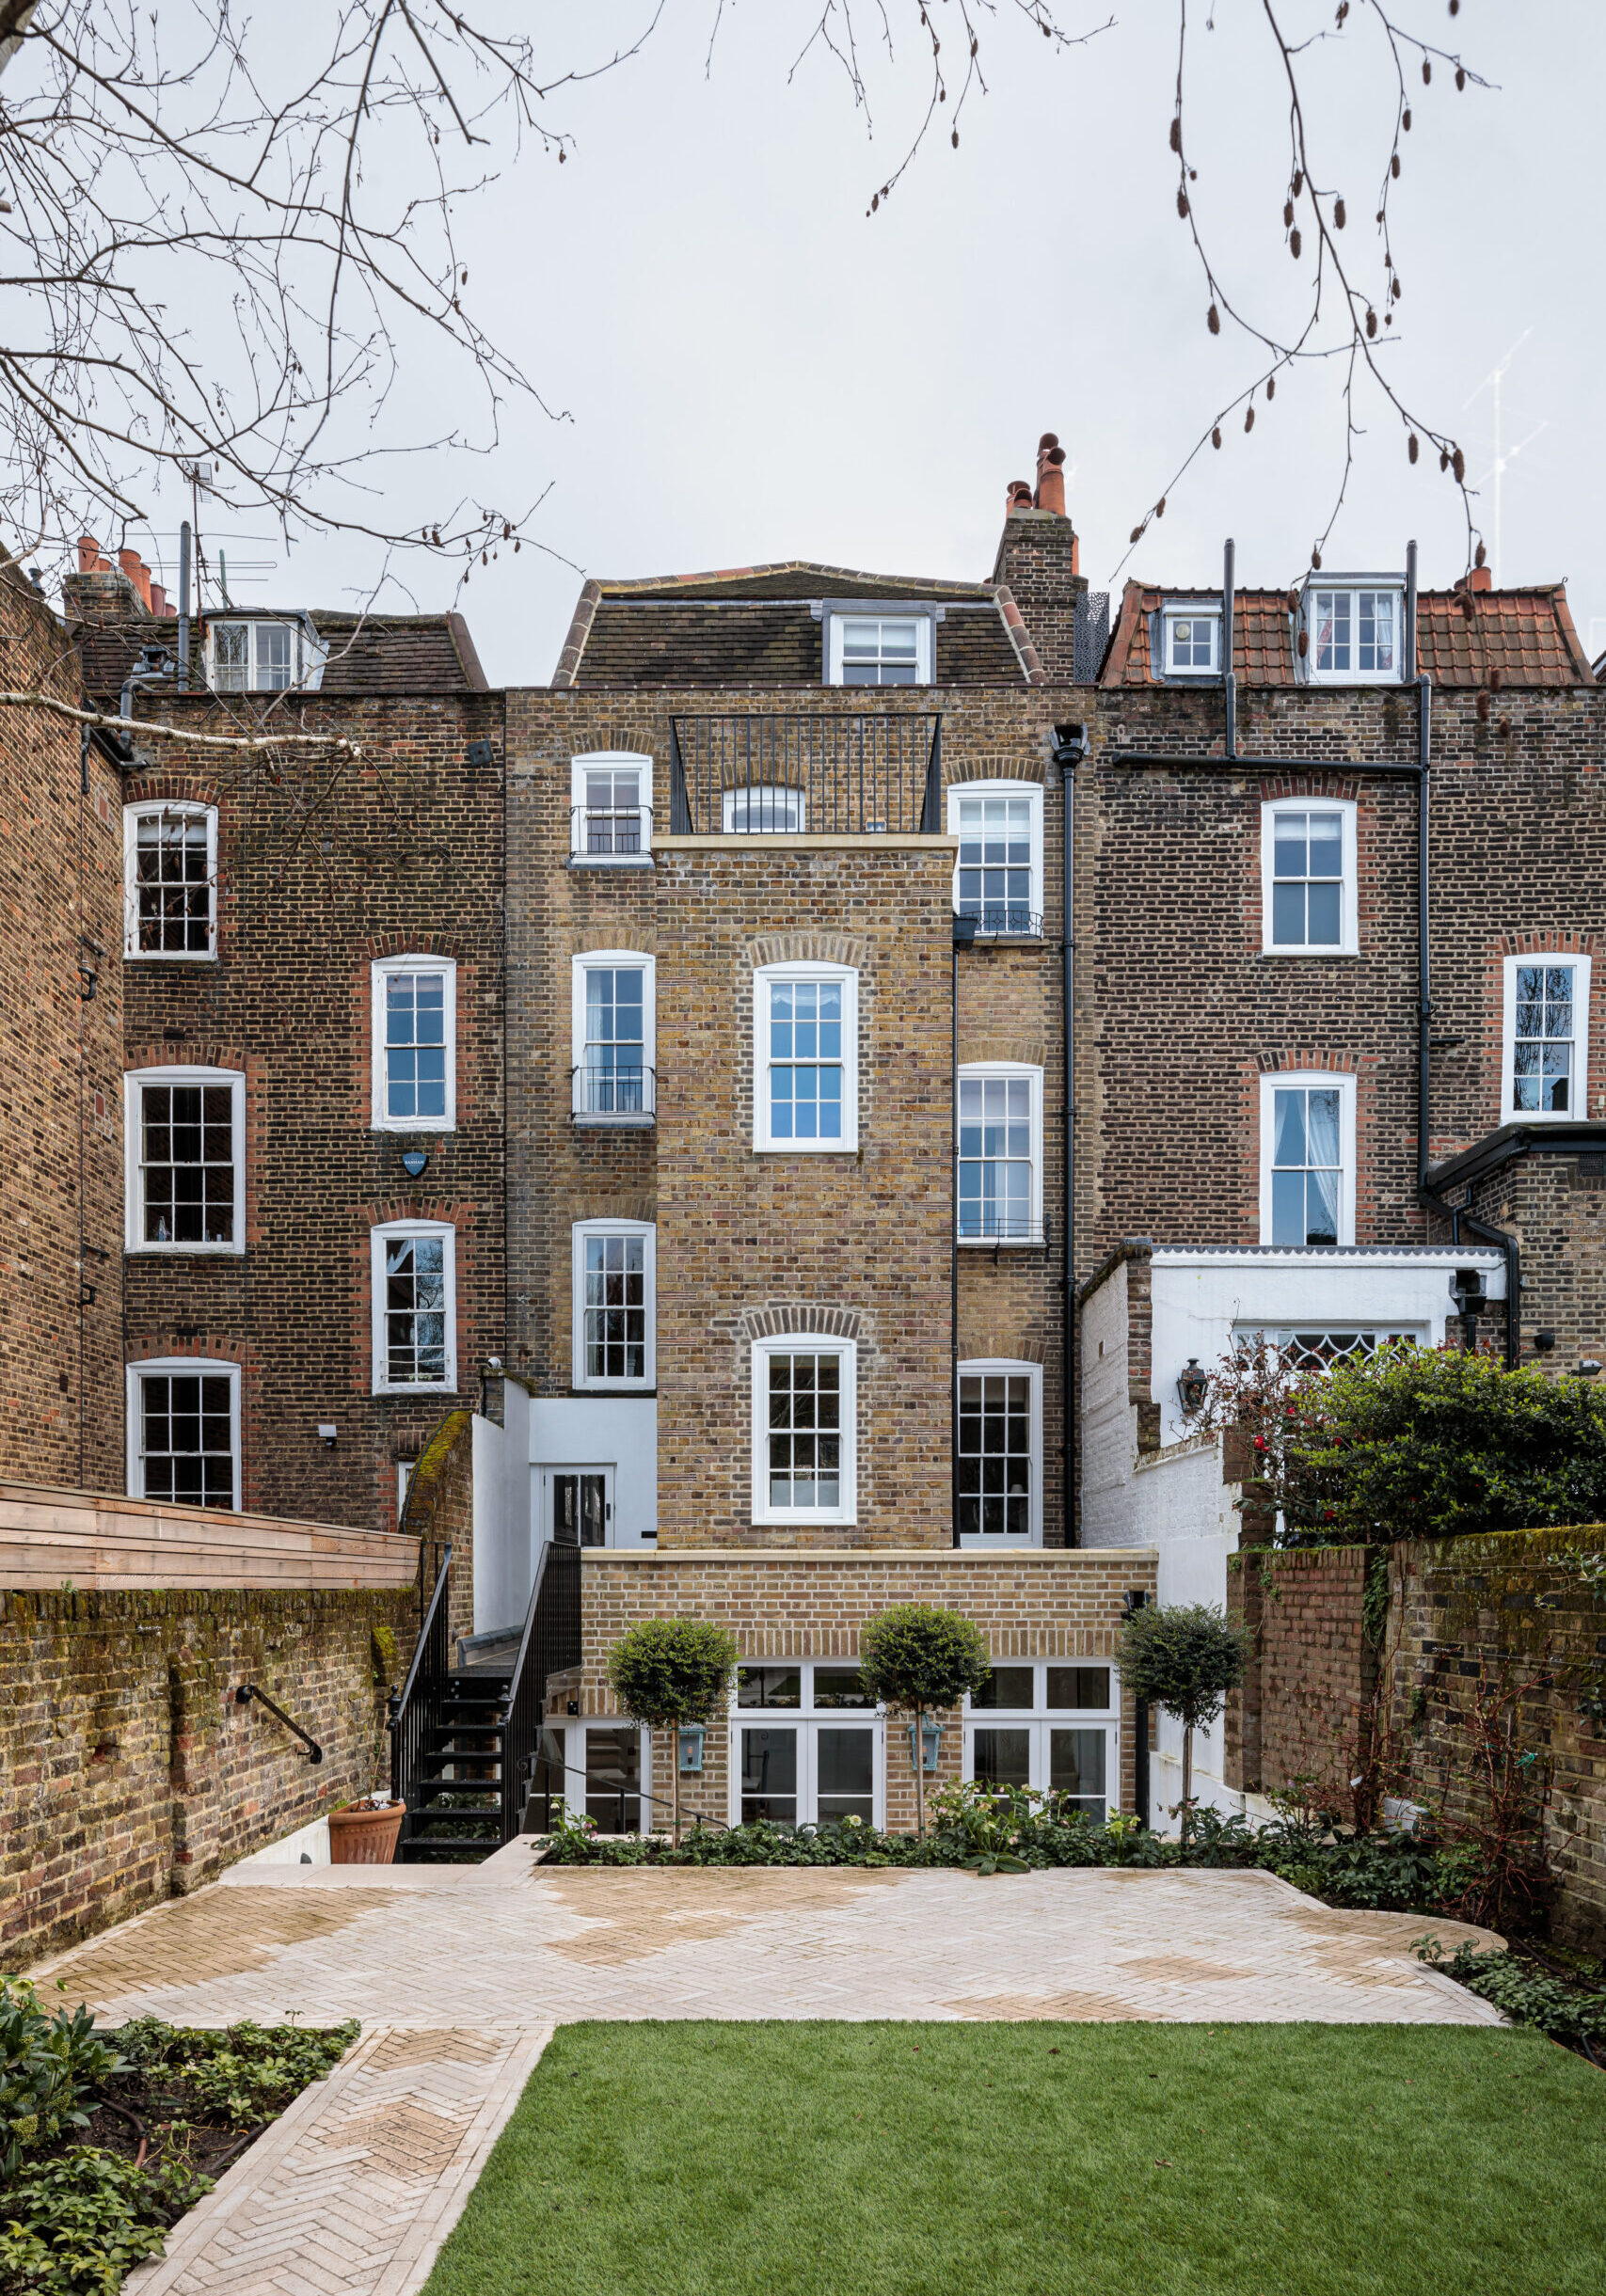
<point>365,1837</point>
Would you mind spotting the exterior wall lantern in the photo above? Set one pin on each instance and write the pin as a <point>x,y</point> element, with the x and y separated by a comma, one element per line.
<point>1193,1385</point>
<point>690,1751</point>
<point>931,1740</point>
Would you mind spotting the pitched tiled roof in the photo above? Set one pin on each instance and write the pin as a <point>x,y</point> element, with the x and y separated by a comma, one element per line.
<point>1527,635</point>
<point>373,654</point>
<point>755,626</point>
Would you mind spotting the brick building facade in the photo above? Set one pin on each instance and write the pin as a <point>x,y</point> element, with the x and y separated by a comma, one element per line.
<point>60,1070</point>
<point>307,904</point>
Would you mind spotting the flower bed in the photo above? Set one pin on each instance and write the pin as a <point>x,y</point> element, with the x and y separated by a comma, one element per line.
<point>106,2139</point>
<point>985,1829</point>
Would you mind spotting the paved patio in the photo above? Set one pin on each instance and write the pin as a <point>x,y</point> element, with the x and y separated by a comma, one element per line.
<point>514,1945</point>
<point>459,1974</point>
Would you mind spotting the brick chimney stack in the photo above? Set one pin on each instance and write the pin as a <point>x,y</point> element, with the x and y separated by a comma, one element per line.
<point>1038,559</point>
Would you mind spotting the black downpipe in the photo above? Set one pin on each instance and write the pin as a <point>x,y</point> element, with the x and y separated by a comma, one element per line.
<point>183,605</point>
<point>1228,675</point>
<point>963,938</point>
<point>1071,747</point>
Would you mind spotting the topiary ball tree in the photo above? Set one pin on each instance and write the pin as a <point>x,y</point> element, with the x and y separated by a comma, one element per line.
<point>1183,1657</point>
<point>919,1659</point>
<point>667,1672</point>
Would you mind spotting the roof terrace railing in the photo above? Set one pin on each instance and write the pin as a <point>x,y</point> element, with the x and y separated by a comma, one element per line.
<point>831,777</point>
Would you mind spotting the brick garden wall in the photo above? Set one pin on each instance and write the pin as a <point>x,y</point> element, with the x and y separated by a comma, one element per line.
<point>128,1773</point>
<point>1464,1617</point>
<point>60,1074</point>
<point>1304,1717</point>
<point>806,1604</point>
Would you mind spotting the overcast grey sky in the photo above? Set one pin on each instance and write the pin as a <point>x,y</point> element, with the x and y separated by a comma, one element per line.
<point>753,371</point>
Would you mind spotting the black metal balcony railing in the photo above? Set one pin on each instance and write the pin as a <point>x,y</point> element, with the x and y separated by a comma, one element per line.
<point>832,777</point>
<point>1006,920</point>
<point>997,1224</point>
<point>616,833</point>
<point>614,1091</point>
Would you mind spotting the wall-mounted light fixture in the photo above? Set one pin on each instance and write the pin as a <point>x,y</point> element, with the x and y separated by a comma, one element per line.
<point>1193,1385</point>
<point>1589,1369</point>
<point>415,1163</point>
<point>1544,1342</point>
<point>327,1431</point>
<point>691,1746</point>
<point>931,1740</point>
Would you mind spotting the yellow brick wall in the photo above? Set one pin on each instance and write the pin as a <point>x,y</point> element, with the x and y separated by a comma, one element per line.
<point>803,1604</point>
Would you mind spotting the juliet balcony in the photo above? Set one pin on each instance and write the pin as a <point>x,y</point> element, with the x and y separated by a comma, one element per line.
<point>850,776</point>
<point>613,1094</point>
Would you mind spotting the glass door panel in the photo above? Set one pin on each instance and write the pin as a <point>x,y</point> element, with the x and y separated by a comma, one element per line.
<point>770,1777</point>
<point>580,1510</point>
<point>844,1779</point>
<point>1002,1757</point>
<point>1077,1768</point>
<point>613,1778</point>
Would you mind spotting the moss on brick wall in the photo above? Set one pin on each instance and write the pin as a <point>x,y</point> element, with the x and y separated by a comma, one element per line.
<point>127,1770</point>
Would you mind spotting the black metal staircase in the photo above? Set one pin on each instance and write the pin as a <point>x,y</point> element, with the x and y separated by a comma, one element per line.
<point>463,1739</point>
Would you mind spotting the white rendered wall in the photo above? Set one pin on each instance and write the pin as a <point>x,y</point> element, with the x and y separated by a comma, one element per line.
<point>1109,1424</point>
<point>616,1431</point>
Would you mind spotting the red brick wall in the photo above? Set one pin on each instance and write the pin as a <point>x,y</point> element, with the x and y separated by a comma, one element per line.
<point>323,866</point>
<point>60,1076</point>
<point>127,1771</point>
<point>1304,1716</point>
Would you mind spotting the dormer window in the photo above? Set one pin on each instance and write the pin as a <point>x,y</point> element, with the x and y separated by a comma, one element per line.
<point>261,656</point>
<point>1353,633</point>
<point>878,647</point>
<point>1190,642</point>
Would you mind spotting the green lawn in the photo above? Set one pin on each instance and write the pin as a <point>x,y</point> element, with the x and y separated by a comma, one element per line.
<point>1002,2160</point>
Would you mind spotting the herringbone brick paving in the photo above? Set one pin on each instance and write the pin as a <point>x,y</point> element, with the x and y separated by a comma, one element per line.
<point>459,1974</point>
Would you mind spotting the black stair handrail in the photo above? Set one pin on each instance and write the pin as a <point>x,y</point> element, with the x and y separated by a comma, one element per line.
<point>550,1643</point>
<point>416,1711</point>
<point>249,1690</point>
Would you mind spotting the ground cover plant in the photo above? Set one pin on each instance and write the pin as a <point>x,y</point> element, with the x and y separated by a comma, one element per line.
<point>1013,1830</point>
<point>1041,2160</point>
<point>106,2138</point>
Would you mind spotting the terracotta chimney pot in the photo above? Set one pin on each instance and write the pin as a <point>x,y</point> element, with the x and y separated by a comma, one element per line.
<point>88,554</point>
<point>1017,496</point>
<point>158,599</point>
<point>138,574</point>
<point>1050,475</point>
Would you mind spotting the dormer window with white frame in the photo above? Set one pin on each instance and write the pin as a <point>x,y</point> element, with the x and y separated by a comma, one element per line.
<point>170,877</point>
<point>611,809</point>
<point>262,656</point>
<point>1190,640</point>
<point>879,645</point>
<point>1355,632</point>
